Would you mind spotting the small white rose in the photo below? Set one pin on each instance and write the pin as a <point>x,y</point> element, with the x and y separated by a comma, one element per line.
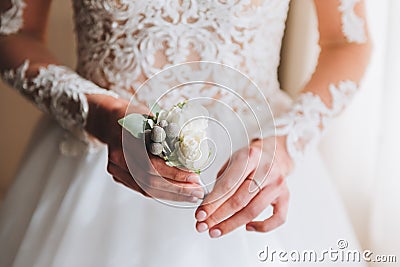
<point>193,150</point>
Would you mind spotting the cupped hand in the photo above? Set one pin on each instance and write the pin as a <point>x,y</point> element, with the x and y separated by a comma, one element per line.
<point>249,182</point>
<point>146,174</point>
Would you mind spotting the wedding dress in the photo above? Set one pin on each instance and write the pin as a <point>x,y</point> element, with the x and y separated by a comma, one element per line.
<point>64,209</point>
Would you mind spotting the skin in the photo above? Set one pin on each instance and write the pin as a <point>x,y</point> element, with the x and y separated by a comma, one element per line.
<point>339,60</point>
<point>235,200</point>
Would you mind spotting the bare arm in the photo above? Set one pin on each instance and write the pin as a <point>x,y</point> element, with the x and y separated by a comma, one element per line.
<point>345,49</point>
<point>28,66</point>
<point>78,104</point>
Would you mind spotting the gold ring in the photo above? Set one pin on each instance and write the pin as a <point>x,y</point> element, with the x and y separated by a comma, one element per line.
<point>258,186</point>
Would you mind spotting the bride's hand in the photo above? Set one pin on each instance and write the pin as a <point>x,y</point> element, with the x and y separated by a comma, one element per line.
<point>245,187</point>
<point>153,178</point>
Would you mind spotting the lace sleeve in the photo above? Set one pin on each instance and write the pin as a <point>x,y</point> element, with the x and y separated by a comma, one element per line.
<point>304,124</point>
<point>309,116</point>
<point>60,92</point>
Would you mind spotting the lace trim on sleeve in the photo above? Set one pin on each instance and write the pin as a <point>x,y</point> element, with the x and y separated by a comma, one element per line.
<point>60,92</point>
<point>304,124</point>
<point>11,21</point>
<point>353,26</point>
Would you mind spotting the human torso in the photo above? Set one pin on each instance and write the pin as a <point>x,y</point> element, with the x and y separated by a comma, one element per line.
<point>121,43</point>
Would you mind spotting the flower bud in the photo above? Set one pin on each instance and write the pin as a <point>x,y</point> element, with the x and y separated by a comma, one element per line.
<point>172,130</point>
<point>158,134</point>
<point>163,123</point>
<point>156,148</point>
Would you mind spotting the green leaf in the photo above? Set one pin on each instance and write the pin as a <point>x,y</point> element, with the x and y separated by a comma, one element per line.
<point>181,104</point>
<point>134,123</point>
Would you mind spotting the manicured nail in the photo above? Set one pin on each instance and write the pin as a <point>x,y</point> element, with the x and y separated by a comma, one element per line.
<point>215,233</point>
<point>198,194</point>
<point>202,227</point>
<point>193,178</point>
<point>201,215</point>
<point>250,228</point>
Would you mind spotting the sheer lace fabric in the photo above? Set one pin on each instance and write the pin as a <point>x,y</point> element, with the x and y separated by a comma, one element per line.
<point>353,26</point>
<point>122,43</point>
<point>11,21</point>
<point>58,91</point>
<point>304,124</point>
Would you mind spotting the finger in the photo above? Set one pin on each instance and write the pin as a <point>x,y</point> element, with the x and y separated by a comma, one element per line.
<point>242,164</point>
<point>152,165</point>
<point>235,203</point>
<point>157,194</point>
<point>186,189</point>
<point>124,177</point>
<point>116,156</point>
<point>263,174</point>
<point>146,180</point>
<point>259,203</point>
<point>281,206</point>
<point>160,168</point>
<point>223,169</point>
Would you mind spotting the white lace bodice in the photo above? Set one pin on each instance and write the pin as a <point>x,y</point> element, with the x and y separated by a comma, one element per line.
<point>122,43</point>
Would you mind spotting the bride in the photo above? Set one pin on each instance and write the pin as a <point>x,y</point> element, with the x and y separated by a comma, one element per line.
<point>65,210</point>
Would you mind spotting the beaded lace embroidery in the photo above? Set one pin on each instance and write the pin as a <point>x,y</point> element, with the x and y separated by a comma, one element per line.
<point>11,21</point>
<point>353,27</point>
<point>308,118</point>
<point>58,91</point>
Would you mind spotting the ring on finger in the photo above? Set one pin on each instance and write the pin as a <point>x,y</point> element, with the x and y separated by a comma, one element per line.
<point>255,182</point>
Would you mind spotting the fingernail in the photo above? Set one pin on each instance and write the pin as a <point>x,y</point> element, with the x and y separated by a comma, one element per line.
<point>215,233</point>
<point>201,215</point>
<point>201,227</point>
<point>193,178</point>
<point>198,194</point>
<point>250,228</point>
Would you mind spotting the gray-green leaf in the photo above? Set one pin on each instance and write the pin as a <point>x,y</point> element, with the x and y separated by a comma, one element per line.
<point>133,123</point>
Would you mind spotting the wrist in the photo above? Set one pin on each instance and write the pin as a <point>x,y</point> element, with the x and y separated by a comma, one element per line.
<point>104,112</point>
<point>282,155</point>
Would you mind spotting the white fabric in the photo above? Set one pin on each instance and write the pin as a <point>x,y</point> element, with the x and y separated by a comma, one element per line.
<point>11,21</point>
<point>363,160</point>
<point>385,212</point>
<point>67,211</point>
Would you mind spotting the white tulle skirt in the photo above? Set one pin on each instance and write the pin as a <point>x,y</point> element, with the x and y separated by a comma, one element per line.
<point>68,211</point>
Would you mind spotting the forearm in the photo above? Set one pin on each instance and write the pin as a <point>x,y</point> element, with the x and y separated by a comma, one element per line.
<point>29,67</point>
<point>338,63</point>
<point>341,65</point>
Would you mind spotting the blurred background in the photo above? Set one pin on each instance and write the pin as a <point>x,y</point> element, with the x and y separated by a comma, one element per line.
<point>361,148</point>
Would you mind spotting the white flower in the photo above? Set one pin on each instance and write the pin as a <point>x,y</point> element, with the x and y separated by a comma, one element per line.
<point>178,135</point>
<point>192,150</point>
